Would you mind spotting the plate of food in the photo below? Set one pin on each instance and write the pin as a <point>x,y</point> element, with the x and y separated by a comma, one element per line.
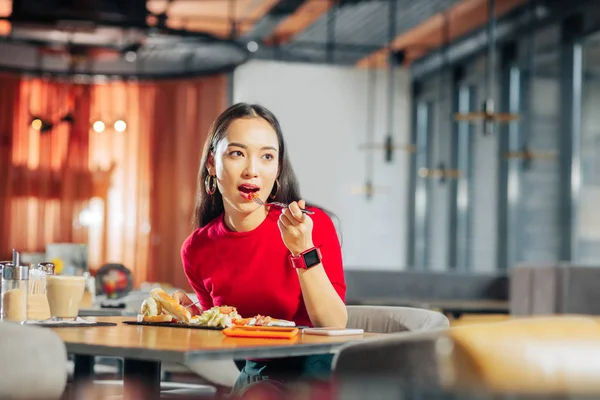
<point>161,309</point>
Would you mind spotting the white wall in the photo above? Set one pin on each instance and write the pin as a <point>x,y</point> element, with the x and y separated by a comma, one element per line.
<point>323,113</point>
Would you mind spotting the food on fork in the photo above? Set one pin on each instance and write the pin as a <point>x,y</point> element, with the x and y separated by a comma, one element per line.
<point>248,191</point>
<point>170,305</point>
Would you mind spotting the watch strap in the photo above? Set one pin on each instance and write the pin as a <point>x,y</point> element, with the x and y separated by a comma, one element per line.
<point>307,259</point>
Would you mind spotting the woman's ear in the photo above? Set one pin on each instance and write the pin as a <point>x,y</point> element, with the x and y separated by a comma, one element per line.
<point>210,165</point>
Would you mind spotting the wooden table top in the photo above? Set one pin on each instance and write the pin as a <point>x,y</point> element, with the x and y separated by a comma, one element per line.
<point>180,345</point>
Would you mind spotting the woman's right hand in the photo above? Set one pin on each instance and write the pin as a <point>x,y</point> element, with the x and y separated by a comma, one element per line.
<point>185,301</point>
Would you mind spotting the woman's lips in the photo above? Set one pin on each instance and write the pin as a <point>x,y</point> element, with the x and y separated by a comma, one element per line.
<point>248,192</point>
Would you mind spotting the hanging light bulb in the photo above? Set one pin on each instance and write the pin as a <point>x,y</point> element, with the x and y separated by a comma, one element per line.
<point>98,126</point>
<point>120,126</point>
<point>36,124</point>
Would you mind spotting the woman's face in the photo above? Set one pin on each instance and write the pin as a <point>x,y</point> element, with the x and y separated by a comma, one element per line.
<point>246,161</point>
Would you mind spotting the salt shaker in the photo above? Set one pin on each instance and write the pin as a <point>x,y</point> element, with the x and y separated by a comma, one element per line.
<point>15,288</point>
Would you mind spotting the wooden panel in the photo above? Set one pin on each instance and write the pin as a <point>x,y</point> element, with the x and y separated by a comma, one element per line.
<point>463,18</point>
<point>304,16</point>
<point>215,16</point>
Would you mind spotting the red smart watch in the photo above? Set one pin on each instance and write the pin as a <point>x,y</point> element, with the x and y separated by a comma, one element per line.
<point>306,259</point>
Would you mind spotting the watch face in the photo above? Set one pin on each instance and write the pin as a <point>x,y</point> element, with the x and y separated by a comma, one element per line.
<point>312,258</point>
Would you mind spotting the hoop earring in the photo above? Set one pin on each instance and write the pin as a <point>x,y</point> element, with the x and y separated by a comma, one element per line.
<point>273,195</point>
<point>210,184</point>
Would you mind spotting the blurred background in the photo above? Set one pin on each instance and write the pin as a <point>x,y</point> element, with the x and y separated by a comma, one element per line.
<point>454,139</point>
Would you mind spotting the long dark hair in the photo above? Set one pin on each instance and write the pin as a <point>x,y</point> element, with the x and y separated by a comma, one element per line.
<point>209,207</point>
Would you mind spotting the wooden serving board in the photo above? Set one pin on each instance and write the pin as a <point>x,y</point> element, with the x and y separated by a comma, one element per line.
<point>173,325</point>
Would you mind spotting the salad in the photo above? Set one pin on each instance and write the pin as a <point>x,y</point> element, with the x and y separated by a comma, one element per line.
<point>217,317</point>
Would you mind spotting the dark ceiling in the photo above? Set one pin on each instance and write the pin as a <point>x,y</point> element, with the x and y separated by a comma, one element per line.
<point>358,28</point>
<point>341,32</point>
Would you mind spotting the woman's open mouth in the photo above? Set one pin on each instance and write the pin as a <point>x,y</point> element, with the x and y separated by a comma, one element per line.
<point>248,191</point>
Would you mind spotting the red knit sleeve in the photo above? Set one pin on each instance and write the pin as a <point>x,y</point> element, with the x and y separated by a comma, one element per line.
<point>193,274</point>
<point>326,238</point>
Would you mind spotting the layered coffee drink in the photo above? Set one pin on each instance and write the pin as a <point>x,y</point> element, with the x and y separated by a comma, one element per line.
<point>64,295</point>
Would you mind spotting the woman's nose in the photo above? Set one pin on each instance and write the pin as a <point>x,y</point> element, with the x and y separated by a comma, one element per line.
<point>251,168</point>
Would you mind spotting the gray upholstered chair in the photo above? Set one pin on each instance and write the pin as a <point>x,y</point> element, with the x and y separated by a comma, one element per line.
<point>378,319</point>
<point>34,363</point>
<point>386,319</point>
<point>409,350</point>
<point>559,288</point>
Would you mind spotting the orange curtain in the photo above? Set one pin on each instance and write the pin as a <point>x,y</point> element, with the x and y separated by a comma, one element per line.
<point>183,114</point>
<point>129,195</point>
<point>9,99</point>
<point>45,174</point>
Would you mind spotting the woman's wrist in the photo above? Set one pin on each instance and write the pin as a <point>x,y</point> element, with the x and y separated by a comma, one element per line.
<point>301,249</point>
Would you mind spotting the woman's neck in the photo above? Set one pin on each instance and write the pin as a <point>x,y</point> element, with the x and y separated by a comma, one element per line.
<point>240,222</point>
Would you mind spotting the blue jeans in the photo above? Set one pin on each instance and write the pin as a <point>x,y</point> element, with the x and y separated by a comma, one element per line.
<point>284,370</point>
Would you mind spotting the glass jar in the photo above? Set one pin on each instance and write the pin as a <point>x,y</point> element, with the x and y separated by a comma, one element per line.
<point>15,289</point>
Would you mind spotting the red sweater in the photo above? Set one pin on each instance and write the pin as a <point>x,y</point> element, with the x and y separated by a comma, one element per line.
<point>251,271</point>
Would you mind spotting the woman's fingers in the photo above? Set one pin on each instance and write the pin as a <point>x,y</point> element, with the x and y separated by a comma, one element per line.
<point>182,298</point>
<point>290,225</point>
<point>294,209</point>
<point>285,221</point>
<point>290,216</point>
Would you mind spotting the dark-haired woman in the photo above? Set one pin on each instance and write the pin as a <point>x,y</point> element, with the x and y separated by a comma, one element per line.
<point>278,262</point>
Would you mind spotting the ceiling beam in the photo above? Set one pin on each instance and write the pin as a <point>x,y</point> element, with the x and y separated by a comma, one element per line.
<point>305,15</point>
<point>213,16</point>
<point>256,13</point>
<point>463,18</point>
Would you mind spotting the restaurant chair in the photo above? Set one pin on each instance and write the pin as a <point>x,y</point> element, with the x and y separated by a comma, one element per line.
<point>34,363</point>
<point>537,355</point>
<point>388,319</point>
<point>554,288</point>
<point>378,319</point>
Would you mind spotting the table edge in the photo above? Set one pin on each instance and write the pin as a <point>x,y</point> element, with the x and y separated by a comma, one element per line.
<point>192,356</point>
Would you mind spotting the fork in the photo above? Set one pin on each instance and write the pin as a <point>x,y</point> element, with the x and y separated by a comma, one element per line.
<point>258,200</point>
<point>193,304</point>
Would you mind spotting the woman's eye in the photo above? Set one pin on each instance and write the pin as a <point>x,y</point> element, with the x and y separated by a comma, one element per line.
<point>236,153</point>
<point>268,156</point>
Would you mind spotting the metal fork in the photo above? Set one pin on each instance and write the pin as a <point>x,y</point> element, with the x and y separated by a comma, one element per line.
<point>193,304</point>
<point>257,200</point>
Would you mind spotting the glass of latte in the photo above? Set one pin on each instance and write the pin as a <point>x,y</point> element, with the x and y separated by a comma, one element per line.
<point>64,295</point>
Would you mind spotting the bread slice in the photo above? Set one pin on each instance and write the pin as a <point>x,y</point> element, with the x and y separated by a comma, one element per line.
<point>158,318</point>
<point>170,305</point>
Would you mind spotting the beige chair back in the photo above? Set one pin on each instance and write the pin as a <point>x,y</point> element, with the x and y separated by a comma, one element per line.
<point>385,319</point>
<point>34,363</point>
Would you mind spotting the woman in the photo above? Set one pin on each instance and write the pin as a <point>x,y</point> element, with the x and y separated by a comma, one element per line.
<point>271,261</point>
